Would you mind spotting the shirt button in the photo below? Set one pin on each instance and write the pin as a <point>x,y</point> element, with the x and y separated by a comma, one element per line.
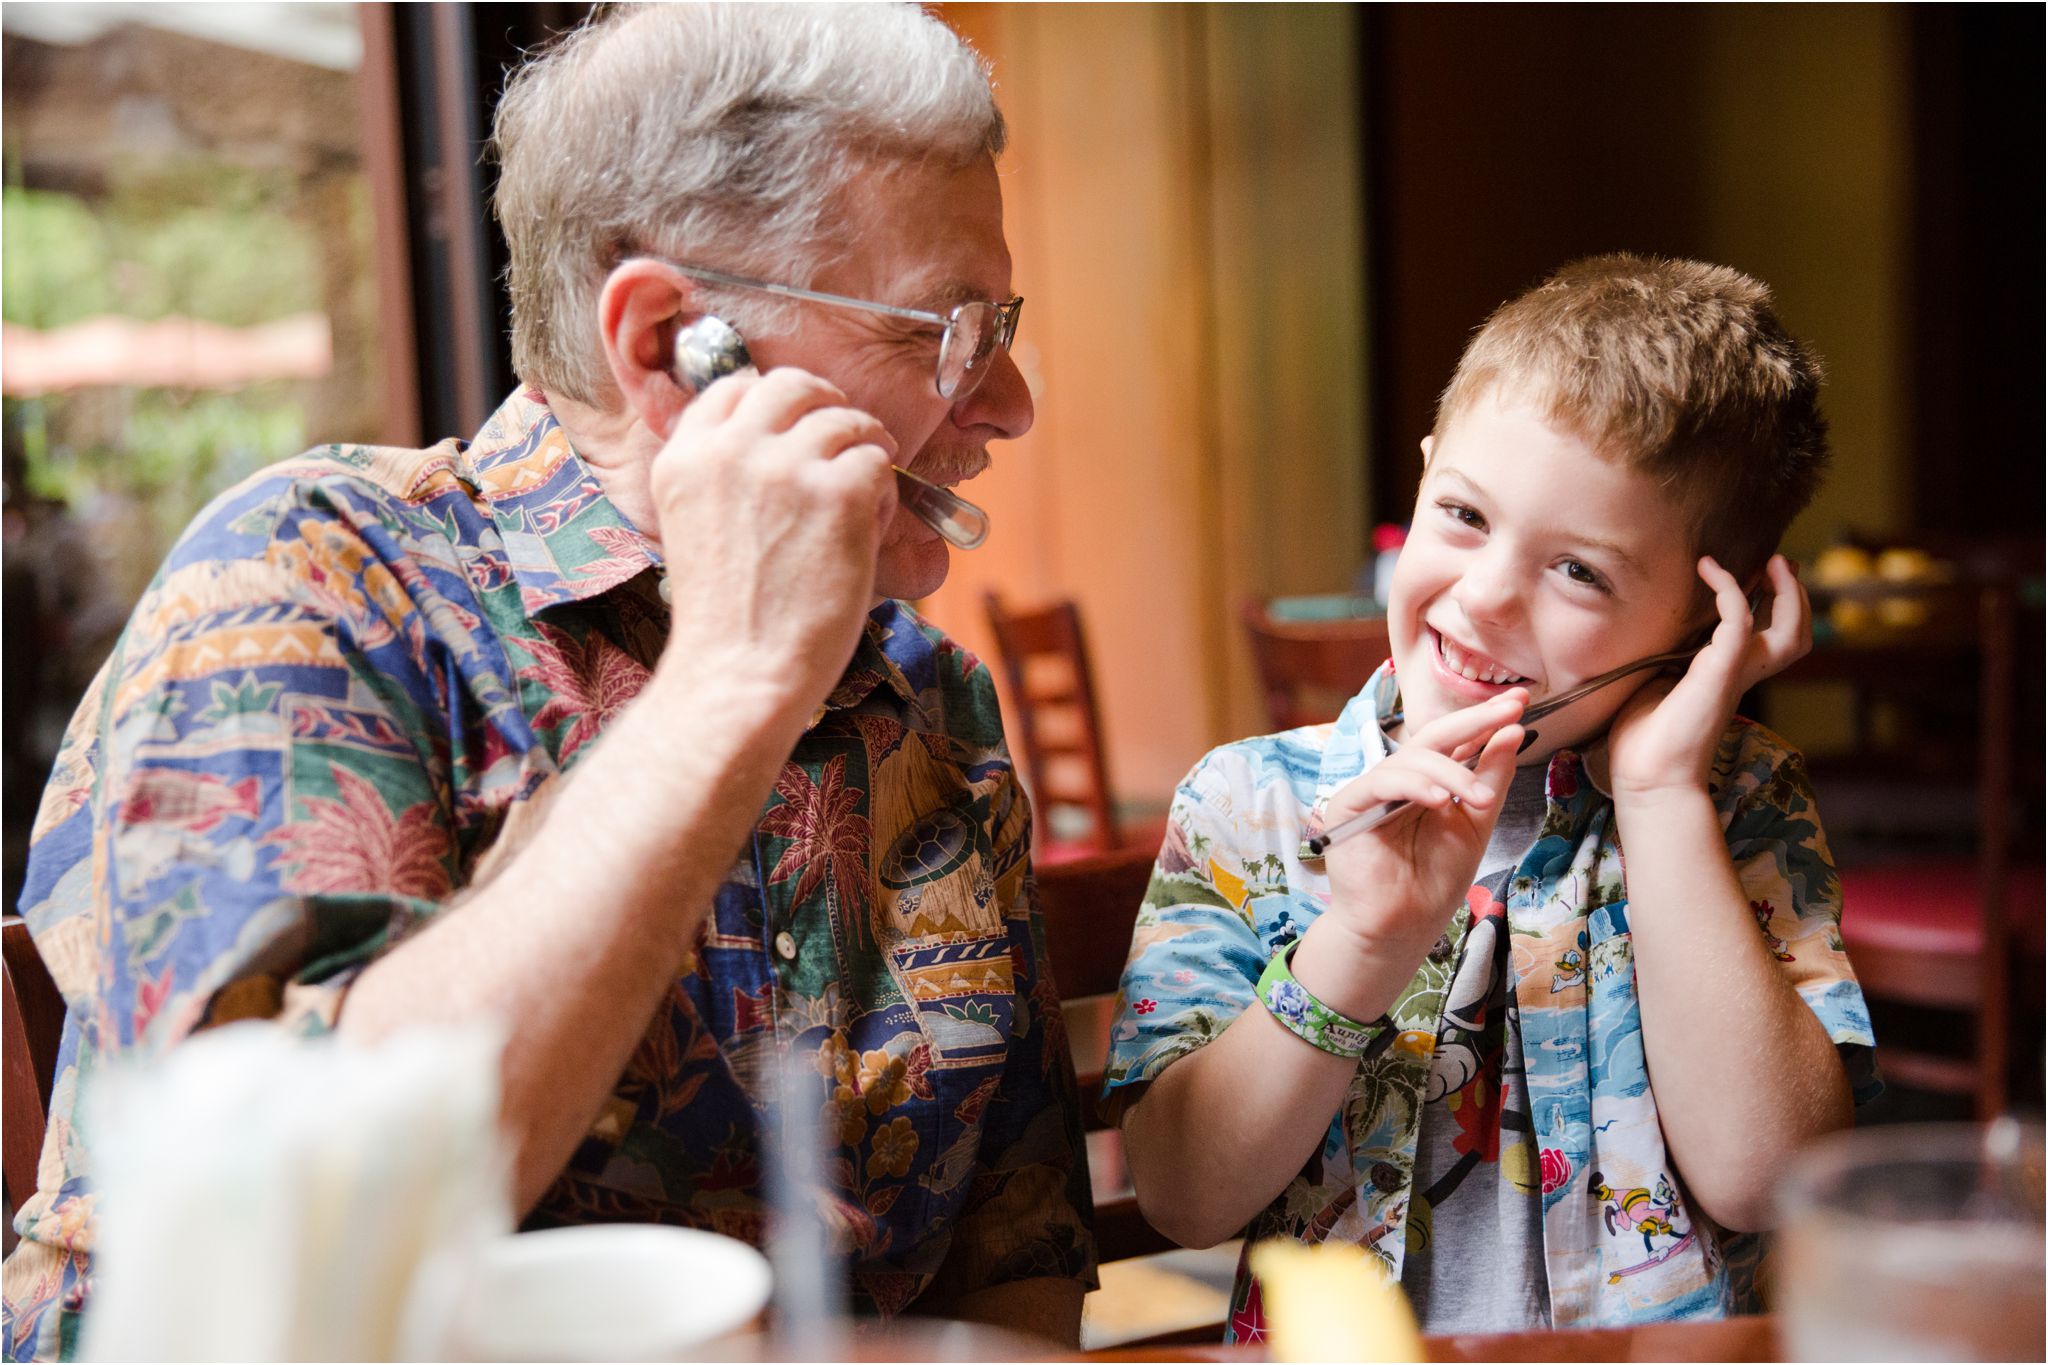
<point>785,945</point>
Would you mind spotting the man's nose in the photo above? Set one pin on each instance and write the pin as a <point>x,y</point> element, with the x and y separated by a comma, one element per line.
<point>1002,400</point>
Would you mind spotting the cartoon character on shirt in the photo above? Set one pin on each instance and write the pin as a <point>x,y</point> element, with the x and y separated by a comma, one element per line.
<point>1653,1213</point>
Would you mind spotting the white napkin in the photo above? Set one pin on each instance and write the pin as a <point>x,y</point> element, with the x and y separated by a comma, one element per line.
<point>267,1197</point>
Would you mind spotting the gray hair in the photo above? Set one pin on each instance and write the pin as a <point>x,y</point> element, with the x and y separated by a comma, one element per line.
<point>718,134</point>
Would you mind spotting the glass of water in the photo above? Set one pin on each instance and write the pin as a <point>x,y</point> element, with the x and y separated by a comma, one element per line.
<point>1916,1242</point>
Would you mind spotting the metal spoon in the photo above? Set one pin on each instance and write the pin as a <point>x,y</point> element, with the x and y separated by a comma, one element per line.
<point>1374,816</point>
<point>710,348</point>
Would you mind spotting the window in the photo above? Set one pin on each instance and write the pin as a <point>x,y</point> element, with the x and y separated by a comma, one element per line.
<point>190,293</point>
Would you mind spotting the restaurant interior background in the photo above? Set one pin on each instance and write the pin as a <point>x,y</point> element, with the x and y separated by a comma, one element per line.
<point>1253,239</point>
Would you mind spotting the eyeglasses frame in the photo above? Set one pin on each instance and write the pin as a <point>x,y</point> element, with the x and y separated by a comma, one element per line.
<point>1007,312</point>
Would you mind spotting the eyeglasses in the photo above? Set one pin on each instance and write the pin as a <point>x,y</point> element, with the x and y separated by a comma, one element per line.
<point>973,330</point>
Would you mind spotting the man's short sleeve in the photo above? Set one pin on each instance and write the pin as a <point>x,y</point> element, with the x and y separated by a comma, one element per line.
<point>1781,858</point>
<point>250,806</point>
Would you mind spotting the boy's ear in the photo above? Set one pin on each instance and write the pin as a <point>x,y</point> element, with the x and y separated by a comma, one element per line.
<point>1428,445</point>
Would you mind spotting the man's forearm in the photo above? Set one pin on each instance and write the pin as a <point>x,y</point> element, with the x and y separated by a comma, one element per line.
<point>1743,1072</point>
<point>573,945</point>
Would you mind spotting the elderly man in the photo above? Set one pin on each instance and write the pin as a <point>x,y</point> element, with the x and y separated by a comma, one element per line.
<point>605,726</point>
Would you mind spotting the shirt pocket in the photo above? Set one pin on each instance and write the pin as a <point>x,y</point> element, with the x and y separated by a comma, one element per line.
<point>935,881</point>
<point>962,992</point>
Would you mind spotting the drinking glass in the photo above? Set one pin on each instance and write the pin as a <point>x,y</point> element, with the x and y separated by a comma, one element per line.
<point>1915,1242</point>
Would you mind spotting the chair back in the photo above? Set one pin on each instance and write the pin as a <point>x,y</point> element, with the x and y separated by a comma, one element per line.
<point>1308,670</point>
<point>1090,906</point>
<point>1058,729</point>
<point>31,1026</point>
<point>1932,673</point>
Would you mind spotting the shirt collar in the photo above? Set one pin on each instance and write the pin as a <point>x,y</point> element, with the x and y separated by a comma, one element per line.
<point>892,651</point>
<point>565,540</point>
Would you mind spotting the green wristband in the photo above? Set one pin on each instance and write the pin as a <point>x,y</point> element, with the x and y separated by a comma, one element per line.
<point>1308,1018</point>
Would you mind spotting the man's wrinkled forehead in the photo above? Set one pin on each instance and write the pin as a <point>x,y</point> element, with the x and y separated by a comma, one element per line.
<point>943,228</point>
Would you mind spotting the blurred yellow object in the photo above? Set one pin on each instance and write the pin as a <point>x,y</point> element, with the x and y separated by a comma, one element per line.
<point>1845,566</point>
<point>1903,565</point>
<point>1841,565</point>
<point>1332,1302</point>
<point>1901,613</point>
<point>1850,616</point>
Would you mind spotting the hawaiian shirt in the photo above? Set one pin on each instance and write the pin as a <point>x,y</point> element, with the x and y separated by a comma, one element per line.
<point>1235,883</point>
<point>358,668</point>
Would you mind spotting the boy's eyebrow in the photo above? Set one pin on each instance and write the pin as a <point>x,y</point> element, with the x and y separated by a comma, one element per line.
<point>1610,547</point>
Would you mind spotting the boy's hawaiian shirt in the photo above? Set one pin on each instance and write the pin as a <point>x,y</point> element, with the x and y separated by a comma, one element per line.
<point>1234,884</point>
<point>356,666</point>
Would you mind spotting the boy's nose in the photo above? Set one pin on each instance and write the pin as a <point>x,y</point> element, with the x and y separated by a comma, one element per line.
<point>1489,592</point>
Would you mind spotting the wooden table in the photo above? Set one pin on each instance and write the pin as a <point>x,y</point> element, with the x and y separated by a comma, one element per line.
<point>1735,1339</point>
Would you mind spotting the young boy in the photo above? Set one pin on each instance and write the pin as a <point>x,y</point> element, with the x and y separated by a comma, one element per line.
<point>1542,1090</point>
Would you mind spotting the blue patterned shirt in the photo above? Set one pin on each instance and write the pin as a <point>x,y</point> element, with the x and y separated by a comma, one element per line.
<point>1235,883</point>
<point>358,669</point>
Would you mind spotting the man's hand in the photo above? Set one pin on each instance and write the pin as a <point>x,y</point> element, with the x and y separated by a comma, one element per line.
<point>1394,888</point>
<point>1663,739</point>
<point>772,495</point>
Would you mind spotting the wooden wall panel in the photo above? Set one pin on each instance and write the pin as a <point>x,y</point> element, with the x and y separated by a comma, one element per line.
<point>1183,205</point>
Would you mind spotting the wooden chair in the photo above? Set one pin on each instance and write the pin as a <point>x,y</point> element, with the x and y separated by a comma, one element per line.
<point>1058,730</point>
<point>1309,669</point>
<point>1090,905</point>
<point>1928,925</point>
<point>31,1026</point>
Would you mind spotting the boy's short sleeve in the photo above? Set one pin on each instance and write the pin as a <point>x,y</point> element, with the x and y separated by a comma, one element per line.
<point>1196,953</point>
<point>1781,858</point>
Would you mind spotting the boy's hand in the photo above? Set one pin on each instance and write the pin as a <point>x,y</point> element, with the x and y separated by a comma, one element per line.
<point>1663,738</point>
<point>1395,887</point>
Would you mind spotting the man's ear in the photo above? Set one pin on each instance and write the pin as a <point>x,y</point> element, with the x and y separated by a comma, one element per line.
<point>641,306</point>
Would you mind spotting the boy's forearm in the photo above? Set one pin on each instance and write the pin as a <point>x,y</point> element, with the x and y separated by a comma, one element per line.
<point>1223,1129</point>
<point>1743,1072</point>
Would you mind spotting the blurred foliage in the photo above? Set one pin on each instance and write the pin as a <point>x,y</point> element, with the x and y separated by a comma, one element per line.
<point>174,450</point>
<point>197,238</point>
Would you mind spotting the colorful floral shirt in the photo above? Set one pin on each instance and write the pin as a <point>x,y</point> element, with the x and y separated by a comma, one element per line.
<point>1234,883</point>
<point>357,667</point>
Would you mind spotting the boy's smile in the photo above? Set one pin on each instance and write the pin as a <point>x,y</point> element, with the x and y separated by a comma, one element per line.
<point>1537,562</point>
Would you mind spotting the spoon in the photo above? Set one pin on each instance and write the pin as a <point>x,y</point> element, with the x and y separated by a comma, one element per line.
<point>710,348</point>
<point>1375,816</point>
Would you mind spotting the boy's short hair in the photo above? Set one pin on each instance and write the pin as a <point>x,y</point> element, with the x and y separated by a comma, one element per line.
<point>1679,369</point>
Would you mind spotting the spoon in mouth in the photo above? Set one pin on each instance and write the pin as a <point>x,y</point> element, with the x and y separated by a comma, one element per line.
<point>709,349</point>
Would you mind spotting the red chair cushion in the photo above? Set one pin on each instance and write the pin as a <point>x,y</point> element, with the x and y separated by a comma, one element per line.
<point>1931,906</point>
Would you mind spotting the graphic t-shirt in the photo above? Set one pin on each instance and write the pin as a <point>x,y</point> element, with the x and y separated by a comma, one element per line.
<point>1474,1258</point>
